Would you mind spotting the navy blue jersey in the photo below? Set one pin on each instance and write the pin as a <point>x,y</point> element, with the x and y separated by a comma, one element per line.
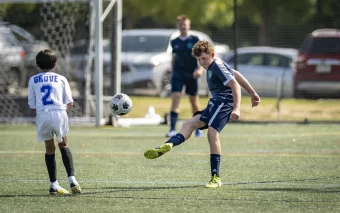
<point>185,64</point>
<point>218,76</point>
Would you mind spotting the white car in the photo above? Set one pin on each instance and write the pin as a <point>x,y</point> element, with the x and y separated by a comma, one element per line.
<point>146,60</point>
<point>268,69</point>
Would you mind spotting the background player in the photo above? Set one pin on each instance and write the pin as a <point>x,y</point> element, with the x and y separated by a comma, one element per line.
<point>185,72</point>
<point>49,94</point>
<point>224,105</point>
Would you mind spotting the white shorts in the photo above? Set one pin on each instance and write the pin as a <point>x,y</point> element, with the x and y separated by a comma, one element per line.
<point>50,123</point>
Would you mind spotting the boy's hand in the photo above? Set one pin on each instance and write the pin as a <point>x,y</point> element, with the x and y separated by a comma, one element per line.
<point>255,100</point>
<point>197,73</point>
<point>235,114</point>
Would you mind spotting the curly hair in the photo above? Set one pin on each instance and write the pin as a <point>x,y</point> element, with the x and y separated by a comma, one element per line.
<point>202,47</point>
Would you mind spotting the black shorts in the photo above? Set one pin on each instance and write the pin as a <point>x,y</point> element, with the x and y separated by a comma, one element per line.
<point>190,83</point>
<point>216,114</point>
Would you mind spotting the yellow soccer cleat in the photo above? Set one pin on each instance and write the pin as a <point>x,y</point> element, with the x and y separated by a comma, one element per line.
<point>158,151</point>
<point>75,188</point>
<point>58,190</point>
<point>215,182</point>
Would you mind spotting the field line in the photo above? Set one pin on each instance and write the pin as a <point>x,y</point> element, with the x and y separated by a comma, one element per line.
<point>320,154</point>
<point>142,182</point>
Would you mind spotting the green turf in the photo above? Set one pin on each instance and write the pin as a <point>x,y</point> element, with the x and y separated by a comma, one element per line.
<point>288,110</point>
<point>265,168</point>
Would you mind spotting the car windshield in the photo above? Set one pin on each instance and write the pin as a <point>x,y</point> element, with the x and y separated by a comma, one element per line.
<point>321,45</point>
<point>7,39</point>
<point>144,43</point>
<point>21,34</point>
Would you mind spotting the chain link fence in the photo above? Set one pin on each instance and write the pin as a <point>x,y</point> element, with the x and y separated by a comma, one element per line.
<point>65,28</point>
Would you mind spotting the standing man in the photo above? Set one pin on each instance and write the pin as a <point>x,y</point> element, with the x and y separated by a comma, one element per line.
<point>185,72</point>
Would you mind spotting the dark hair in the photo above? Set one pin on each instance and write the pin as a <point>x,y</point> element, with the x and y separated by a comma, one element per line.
<point>202,47</point>
<point>46,59</point>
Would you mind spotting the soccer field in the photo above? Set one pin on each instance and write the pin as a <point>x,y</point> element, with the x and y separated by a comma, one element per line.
<point>264,168</point>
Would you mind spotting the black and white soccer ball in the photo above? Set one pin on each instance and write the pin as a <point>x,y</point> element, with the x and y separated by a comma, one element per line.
<point>120,104</point>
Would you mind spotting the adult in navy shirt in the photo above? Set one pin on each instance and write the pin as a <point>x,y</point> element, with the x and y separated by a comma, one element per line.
<point>224,106</point>
<point>185,72</point>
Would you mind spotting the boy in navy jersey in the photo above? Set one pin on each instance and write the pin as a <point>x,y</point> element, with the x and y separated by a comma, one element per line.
<point>224,105</point>
<point>49,94</point>
<point>185,72</point>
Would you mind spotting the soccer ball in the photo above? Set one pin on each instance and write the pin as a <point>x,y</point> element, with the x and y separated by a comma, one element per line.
<point>120,104</point>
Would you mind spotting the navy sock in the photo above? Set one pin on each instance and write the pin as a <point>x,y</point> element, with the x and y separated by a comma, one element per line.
<point>215,164</point>
<point>51,167</point>
<point>173,120</point>
<point>66,155</point>
<point>197,131</point>
<point>176,140</point>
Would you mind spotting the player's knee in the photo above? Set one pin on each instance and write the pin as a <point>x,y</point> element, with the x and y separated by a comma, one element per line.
<point>50,149</point>
<point>212,134</point>
<point>62,144</point>
<point>175,96</point>
<point>190,125</point>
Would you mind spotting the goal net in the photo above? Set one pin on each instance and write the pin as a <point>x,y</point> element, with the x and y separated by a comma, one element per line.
<point>65,26</point>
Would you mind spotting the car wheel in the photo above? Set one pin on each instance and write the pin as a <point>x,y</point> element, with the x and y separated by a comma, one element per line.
<point>165,89</point>
<point>13,81</point>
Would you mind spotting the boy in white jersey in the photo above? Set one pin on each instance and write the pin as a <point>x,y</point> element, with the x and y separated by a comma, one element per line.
<point>224,106</point>
<point>49,94</point>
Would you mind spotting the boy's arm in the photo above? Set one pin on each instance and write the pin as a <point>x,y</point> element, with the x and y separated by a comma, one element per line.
<point>68,106</point>
<point>255,98</point>
<point>236,90</point>
<point>68,100</point>
<point>31,96</point>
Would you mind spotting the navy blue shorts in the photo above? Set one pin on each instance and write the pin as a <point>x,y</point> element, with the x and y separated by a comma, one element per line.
<point>216,114</point>
<point>191,85</point>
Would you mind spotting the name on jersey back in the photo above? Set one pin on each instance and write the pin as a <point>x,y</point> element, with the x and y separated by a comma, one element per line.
<point>45,78</point>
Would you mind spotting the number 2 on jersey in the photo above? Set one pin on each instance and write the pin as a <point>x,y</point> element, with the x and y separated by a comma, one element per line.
<point>46,89</point>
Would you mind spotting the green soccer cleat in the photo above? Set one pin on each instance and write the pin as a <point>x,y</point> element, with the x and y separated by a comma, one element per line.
<point>215,182</point>
<point>75,188</point>
<point>158,151</point>
<point>58,190</point>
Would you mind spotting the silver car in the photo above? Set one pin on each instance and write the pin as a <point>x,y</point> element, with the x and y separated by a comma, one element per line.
<point>12,56</point>
<point>268,69</point>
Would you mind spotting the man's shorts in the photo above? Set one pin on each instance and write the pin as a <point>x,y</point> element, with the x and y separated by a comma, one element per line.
<point>50,123</point>
<point>216,114</point>
<point>191,85</point>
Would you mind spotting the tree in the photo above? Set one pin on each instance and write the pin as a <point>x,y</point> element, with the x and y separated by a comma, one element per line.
<point>215,12</point>
<point>327,13</point>
<point>267,13</point>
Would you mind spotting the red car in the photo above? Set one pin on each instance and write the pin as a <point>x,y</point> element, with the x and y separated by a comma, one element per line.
<point>317,68</point>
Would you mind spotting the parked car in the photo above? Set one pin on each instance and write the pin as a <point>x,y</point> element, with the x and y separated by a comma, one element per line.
<point>12,70</point>
<point>30,44</point>
<point>146,61</point>
<point>266,68</point>
<point>317,72</point>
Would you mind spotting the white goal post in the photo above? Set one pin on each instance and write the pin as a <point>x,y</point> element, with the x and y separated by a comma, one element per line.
<point>96,35</point>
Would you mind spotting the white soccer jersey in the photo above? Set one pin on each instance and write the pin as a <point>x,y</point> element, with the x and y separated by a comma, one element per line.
<point>48,90</point>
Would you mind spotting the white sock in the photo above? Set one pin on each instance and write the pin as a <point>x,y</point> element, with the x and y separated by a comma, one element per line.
<point>55,183</point>
<point>72,179</point>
